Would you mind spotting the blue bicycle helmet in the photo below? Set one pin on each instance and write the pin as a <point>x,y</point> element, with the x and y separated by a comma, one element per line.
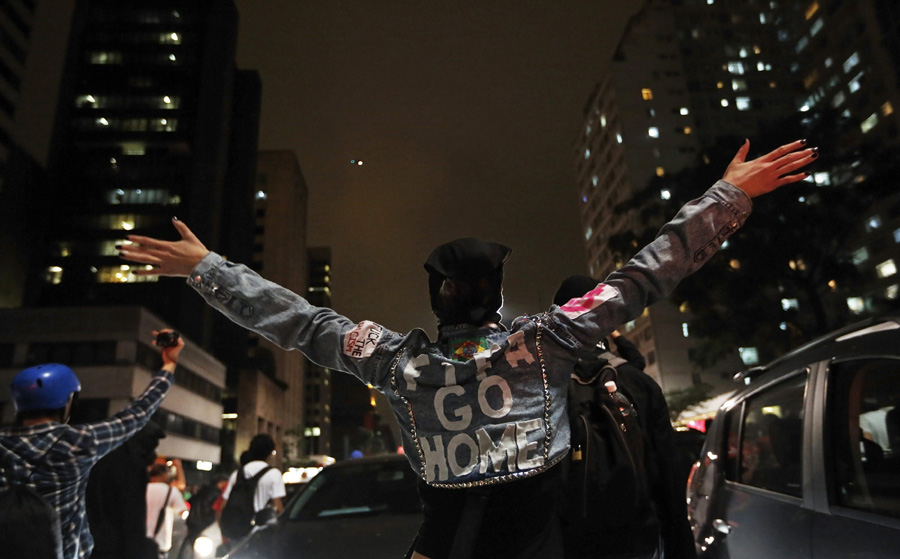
<point>44,387</point>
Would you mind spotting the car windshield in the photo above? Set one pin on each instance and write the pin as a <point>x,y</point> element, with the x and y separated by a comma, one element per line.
<point>357,489</point>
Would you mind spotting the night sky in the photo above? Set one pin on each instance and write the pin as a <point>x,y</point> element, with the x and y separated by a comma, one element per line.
<point>464,114</point>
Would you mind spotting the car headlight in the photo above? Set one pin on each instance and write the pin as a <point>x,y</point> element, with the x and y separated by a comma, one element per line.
<point>204,547</point>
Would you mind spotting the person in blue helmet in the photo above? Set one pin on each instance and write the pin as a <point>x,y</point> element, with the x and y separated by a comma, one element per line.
<point>54,458</point>
<point>481,409</point>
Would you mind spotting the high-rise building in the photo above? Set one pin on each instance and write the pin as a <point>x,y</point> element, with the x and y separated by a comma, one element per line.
<point>319,386</point>
<point>20,174</point>
<point>689,74</point>
<point>154,121</point>
<point>268,395</point>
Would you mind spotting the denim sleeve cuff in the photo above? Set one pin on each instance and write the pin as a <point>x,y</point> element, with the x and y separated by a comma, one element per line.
<point>205,271</point>
<point>731,196</point>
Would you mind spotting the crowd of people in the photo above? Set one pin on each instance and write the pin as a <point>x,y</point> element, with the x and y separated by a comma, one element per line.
<point>482,409</point>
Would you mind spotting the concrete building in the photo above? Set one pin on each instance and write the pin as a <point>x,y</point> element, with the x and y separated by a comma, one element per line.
<point>111,350</point>
<point>268,396</point>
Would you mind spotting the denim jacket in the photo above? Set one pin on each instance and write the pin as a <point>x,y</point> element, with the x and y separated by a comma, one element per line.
<point>480,405</point>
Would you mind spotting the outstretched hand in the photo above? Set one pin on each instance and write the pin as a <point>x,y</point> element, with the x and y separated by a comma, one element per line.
<point>168,258</point>
<point>770,171</point>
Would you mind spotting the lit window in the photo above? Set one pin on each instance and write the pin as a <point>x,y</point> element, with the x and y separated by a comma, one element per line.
<point>749,355</point>
<point>744,52</point>
<point>660,172</point>
<point>261,195</point>
<point>595,180</point>
<point>816,27</point>
<point>106,57</point>
<point>873,223</point>
<point>587,130</point>
<point>860,255</point>
<point>856,304</point>
<point>724,102</point>
<point>892,291</point>
<point>170,39</point>
<point>684,330</point>
<point>869,123</point>
<point>851,62</point>
<point>588,233</point>
<point>736,68</point>
<point>811,10</point>
<point>897,235</point>
<point>53,275</point>
<point>886,269</point>
<point>587,153</point>
<point>683,111</point>
<point>790,304</point>
<point>603,121</point>
<point>686,130</point>
<point>123,274</point>
<point>653,132</point>
<point>838,99</point>
<point>854,84</point>
<point>666,194</point>
<point>742,103</point>
<point>738,85</point>
<point>647,94</point>
<point>801,44</point>
<point>887,109</point>
<point>720,85</point>
<point>164,124</point>
<point>762,18</point>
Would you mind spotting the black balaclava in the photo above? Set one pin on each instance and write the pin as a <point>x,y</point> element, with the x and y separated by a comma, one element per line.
<point>474,269</point>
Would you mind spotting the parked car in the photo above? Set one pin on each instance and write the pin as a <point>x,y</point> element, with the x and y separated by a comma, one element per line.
<point>367,507</point>
<point>804,461</point>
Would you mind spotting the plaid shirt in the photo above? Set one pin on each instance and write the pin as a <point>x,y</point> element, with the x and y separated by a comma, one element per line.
<point>56,460</point>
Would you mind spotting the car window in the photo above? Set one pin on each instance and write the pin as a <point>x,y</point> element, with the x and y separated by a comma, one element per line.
<point>864,423</point>
<point>366,488</point>
<point>765,439</point>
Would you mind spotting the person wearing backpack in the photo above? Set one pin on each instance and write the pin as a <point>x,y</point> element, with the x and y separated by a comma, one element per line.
<point>164,502</point>
<point>254,491</point>
<point>55,459</point>
<point>655,518</point>
<point>481,409</point>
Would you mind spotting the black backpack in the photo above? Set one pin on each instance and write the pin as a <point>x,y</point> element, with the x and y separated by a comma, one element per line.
<point>238,515</point>
<point>607,496</point>
<point>29,525</point>
<point>202,513</point>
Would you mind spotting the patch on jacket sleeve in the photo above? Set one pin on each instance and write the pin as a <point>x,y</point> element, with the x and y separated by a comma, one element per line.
<point>590,301</point>
<point>361,341</point>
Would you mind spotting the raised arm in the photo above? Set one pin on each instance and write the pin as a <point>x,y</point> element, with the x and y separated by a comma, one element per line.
<point>685,243</point>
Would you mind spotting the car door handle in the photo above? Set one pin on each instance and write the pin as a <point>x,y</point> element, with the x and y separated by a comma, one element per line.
<point>721,526</point>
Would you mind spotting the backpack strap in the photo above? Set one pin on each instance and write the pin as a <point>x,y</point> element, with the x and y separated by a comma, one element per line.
<point>162,512</point>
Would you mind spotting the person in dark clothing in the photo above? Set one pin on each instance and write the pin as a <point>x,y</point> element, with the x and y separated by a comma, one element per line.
<point>627,350</point>
<point>116,498</point>
<point>666,477</point>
